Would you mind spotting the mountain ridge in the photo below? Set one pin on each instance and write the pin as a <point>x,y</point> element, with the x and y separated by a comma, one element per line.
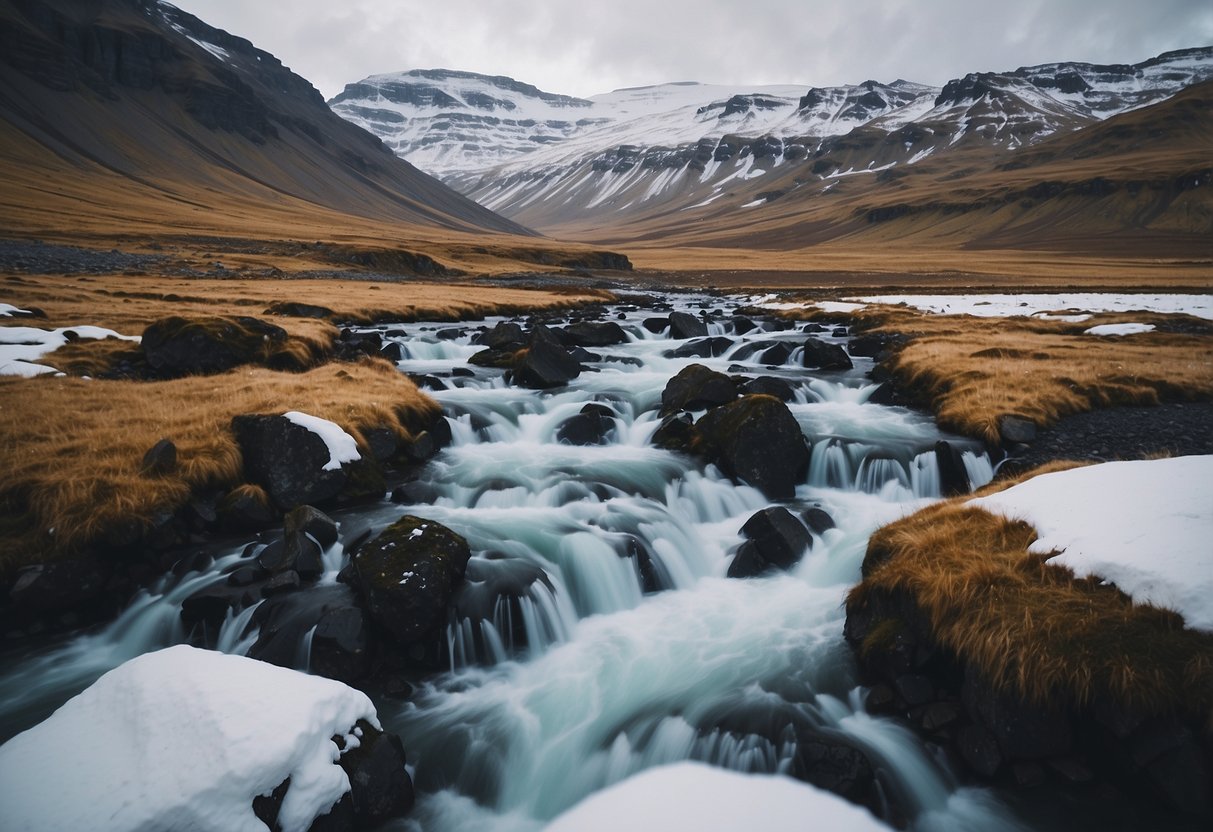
<point>688,145</point>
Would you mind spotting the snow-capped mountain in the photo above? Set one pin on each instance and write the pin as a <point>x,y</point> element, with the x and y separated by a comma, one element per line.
<point>545,159</point>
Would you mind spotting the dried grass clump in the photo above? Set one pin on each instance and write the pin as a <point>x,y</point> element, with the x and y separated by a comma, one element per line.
<point>72,448</point>
<point>972,371</point>
<point>1030,626</point>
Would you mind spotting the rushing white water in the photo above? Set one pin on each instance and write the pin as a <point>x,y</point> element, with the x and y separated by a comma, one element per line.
<point>597,636</point>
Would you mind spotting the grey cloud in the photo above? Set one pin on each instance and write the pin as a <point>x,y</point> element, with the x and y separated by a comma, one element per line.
<point>583,49</point>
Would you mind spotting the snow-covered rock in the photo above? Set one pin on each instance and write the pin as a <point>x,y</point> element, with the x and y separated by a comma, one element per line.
<point>342,447</point>
<point>706,799</point>
<point>183,739</point>
<point>1146,526</point>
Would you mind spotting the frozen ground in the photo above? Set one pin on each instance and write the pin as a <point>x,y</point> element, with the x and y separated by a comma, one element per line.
<point>183,738</point>
<point>20,346</point>
<point>1077,304</point>
<point>1144,525</point>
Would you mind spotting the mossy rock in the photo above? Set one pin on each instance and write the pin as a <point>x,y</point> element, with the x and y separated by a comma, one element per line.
<point>408,574</point>
<point>757,440</point>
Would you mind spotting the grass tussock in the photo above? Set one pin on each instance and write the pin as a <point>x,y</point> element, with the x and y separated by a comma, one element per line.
<point>972,371</point>
<point>72,449</point>
<point>1032,627</point>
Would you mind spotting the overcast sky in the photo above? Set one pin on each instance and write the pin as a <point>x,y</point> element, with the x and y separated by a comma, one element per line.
<point>581,48</point>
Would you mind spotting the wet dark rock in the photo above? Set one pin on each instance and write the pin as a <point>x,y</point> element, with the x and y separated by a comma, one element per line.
<point>939,715</point>
<point>380,787</point>
<point>1016,429</point>
<point>914,689</point>
<point>817,519</point>
<point>595,334</point>
<point>179,346</point>
<point>313,522</point>
<point>244,576</point>
<point>490,583</point>
<point>838,768</point>
<point>341,644</point>
<point>54,587</point>
<point>747,562</point>
<point>710,347</point>
<point>979,749</point>
<point>284,619</point>
<point>287,581</point>
<point>819,355</point>
<point>776,355</point>
<point>506,336</point>
<point>393,351</point>
<point>287,460</point>
<point>546,363</point>
<point>1022,731</point>
<point>779,538</point>
<point>656,325</point>
<point>354,345</point>
<point>683,326</point>
<point>757,440</point>
<point>677,433</point>
<point>408,574</point>
<point>208,608</point>
<point>591,426</point>
<point>244,510</point>
<point>814,328</point>
<point>742,325</point>
<point>953,476</point>
<point>768,386</point>
<point>695,388</point>
<point>160,459</point>
<point>840,332</point>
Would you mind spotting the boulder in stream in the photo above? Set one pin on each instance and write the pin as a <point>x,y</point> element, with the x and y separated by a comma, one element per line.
<point>819,355</point>
<point>695,388</point>
<point>756,439</point>
<point>407,574</point>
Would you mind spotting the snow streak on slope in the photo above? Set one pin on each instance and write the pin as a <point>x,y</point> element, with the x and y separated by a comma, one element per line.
<point>537,156</point>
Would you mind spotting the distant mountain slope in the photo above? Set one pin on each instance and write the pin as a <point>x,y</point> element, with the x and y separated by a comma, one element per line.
<point>563,164</point>
<point>1139,184</point>
<point>116,111</point>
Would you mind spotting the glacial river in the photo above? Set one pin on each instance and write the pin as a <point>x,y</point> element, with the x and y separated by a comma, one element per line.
<point>632,649</point>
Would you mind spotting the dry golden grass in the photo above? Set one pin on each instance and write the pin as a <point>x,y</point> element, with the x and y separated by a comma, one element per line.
<point>1032,627</point>
<point>128,303</point>
<point>72,448</point>
<point>974,370</point>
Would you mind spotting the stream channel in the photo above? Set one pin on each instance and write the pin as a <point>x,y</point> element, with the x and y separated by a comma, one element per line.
<point>592,668</point>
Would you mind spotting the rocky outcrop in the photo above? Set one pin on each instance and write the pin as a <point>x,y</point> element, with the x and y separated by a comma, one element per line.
<point>202,346</point>
<point>1161,761</point>
<point>287,460</point>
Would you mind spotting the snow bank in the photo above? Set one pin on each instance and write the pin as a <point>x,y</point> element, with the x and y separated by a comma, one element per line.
<point>182,739</point>
<point>22,345</point>
<point>7,309</point>
<point>697,796</point>
<point>1006,305</point>
<point>1119,329</point>
<point>342,447</point>
<point>1146,526</point>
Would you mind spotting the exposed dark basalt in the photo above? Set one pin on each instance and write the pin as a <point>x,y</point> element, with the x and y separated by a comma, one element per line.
<point>1147,765</point>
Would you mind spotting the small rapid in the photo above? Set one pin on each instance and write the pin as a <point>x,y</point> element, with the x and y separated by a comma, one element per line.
<point>596,635</point>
